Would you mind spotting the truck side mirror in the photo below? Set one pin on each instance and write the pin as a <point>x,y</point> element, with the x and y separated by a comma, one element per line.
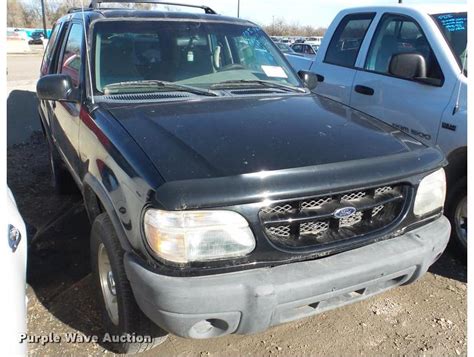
<point>408,65</point>
<point>412,66</point>
<point>310,80</point>
<point>57,87</point>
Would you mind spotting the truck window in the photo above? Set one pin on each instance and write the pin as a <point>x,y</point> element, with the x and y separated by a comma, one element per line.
<point>71,61</point>
<point>347,39</point>
<point>48,54</point>
<point>400,34</point>
<point>454,28</point>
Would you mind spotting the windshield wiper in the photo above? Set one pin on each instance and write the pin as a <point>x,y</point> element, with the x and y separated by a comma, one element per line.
<point>158,84</point>
<point>268,84</point>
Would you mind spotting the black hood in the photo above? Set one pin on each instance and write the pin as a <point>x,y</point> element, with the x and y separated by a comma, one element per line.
<point>219,137</point>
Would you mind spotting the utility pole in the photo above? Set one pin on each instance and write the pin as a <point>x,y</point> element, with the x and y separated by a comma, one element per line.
<point>44,20</point>
<point>238,8</point>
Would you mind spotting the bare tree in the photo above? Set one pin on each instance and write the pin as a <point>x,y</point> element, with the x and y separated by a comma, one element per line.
<point>14,13</point>
<point>21,13</point>
<point>279,27</point>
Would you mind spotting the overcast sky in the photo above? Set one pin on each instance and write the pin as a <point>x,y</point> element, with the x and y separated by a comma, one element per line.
<point>306,12</point>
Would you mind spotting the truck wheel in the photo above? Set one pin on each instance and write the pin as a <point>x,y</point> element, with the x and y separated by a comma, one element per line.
<point>62,179</point>
<point>121,315</point>
<point>456,211</point>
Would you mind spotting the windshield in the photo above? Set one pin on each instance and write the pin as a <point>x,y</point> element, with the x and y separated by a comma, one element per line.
<point>198,54</point>
<point>454,28</point>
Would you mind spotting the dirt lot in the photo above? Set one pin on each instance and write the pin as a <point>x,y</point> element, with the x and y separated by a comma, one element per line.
<point>425,318</point>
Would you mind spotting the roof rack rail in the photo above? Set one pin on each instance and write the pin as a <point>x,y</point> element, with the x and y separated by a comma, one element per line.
<point>77,9</point>
<point>96,3</point>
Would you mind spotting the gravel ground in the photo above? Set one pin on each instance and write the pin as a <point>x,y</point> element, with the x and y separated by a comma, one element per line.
<point>427,318</point>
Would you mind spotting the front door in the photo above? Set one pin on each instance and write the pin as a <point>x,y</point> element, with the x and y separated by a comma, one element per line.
<point>409,105</point>
<point>65,123</point>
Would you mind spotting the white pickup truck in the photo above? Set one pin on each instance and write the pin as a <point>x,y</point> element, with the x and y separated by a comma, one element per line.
<point>406,66</point>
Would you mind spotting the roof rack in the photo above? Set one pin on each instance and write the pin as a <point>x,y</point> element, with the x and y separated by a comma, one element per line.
<point>96,3</point>
<point>77,9</point>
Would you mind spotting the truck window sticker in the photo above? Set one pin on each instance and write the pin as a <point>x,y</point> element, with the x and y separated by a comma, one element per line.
<point>453,24</point>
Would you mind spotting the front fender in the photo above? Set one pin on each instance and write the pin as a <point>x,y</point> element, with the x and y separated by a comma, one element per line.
<point>93,189</point>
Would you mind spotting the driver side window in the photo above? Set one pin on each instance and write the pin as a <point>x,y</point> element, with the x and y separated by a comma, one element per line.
<point>71,61</point>
<point>395,35</point>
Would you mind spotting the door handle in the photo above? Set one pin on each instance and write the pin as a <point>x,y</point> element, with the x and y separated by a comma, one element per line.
<point>364,90</point>
<point>320,77</point>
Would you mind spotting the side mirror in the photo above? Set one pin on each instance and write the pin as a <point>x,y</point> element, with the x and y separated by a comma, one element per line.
<point>408,65</point>
<point>310,80</point>
<point>57,87</point>
<point>411,66</point>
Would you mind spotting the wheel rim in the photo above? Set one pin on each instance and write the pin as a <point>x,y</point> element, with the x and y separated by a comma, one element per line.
<point>107,284</point>
<point>460,217</point>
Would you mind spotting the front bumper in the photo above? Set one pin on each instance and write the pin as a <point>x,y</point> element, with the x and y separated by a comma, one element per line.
<point>253,300</point>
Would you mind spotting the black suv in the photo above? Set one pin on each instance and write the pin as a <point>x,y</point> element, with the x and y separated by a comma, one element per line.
<point>226,197</point>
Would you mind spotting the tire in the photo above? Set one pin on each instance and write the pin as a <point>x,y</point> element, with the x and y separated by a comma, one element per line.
<point>121,317</point>
<point>61,178</point>
<point>457,197</point>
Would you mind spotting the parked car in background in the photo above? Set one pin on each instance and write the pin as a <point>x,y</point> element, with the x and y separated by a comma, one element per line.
<point>13,253</point>
<point>407,66</point>
<point>284,48</point>
<point>305,49</point>
<point>36,38</point>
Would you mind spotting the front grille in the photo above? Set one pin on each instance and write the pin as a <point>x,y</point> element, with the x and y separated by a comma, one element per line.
<point>313,221</point>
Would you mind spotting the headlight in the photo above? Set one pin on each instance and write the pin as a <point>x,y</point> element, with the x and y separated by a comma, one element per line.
<point>190,236</point>
<point>431,193</point>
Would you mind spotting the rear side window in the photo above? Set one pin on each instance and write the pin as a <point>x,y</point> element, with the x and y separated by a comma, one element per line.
<point>48,54</point>
<point>71,62</point>
<point>347,39</point>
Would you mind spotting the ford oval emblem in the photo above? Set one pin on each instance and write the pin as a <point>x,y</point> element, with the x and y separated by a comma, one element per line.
<point>344,212</point>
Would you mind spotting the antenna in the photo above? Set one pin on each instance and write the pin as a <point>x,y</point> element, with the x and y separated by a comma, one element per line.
<point>456,106</point>
<point>87,52</point>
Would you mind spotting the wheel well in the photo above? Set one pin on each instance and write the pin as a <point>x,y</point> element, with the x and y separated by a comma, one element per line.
<point>457,166</point>
<point>94,206</point>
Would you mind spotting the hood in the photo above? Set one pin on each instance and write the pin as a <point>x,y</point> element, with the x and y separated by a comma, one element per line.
<point>230,136</point>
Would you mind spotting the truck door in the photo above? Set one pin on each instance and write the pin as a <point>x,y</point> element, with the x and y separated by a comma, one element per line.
<point>335,69</point>
<point>65,118</point>
<point>410,105</point>
<point>49,65</point>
